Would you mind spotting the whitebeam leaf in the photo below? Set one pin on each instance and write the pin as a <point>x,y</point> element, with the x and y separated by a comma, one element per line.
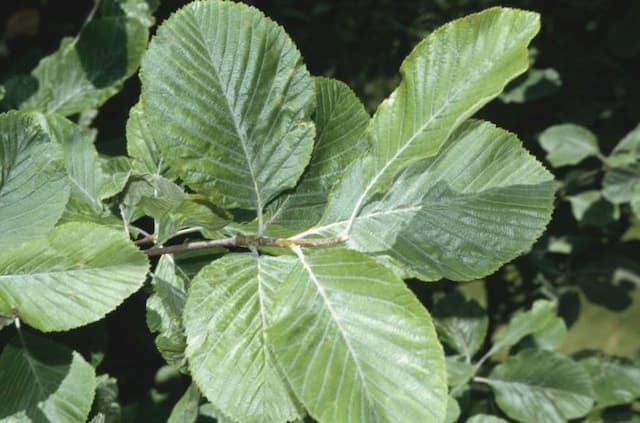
<point>449,76</point>
<point>228,311</point>
<point>228,99</point>
<point>34,188</point>
<point>70,277</point>
<point>480,202</point>
<point>541,386</point>
<point>355,344</point>
<point>341,121</point>
<point>41,381</point>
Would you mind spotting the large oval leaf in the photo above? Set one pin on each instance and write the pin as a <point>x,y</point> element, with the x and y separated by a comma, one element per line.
<point>226,317</point>
<point>228,100</point>
<point>541,386</point>
<point>72,276</point>
<point>448,76</point>
<point>33,184</point>
<point>355,344</point>
<point>41,381</point>
<point>481,202</point>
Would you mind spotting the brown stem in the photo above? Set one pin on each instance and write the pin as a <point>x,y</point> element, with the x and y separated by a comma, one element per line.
<point>244,241</point>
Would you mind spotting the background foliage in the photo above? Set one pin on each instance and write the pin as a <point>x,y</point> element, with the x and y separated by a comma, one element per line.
<point>586,61</point>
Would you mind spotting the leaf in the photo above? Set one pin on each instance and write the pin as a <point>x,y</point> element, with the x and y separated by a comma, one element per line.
<point>238,128</point>
<point>186,409</point>
<point>467,63</point>
<point>228,311</point>
<point>41,381</point>
<point>142,147</point>
<point>458,372</point>
<point>635,199</point>
<point>485,418</point>
<point>105,403</point>
<point>590,208</point>
<point>552,335</point>
<point>150,186</point>
<point>89,69</point>
<point>80,160</point>
<point>568,144</point>
<point>540,385</point>
<point>615,380</point>
<point>73,276</point>
<point>540,317</point>
<point>164,311</point>
<point>627,151</point>
<point>622,178</point>
<point>461,323</point>
<point>354,342</point>
<point>453,410</point>
<point>481,202</point>
<point>33,186</point>
<point>535,84</point>
<point>341,121</point>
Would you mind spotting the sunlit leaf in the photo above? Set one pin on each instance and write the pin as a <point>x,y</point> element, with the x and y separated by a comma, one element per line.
<point>354,342</point>
<point>235,129</point>
<point>568,144</point>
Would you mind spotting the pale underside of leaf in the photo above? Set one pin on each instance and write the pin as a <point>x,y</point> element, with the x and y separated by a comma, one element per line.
<point>228,311</point>
<point>33,185</point>
<point>481,202</point>
<point>228,100</point>
<point>355,344</point>
<point>70,277</point>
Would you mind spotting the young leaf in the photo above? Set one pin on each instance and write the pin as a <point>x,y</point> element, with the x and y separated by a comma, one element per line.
<point>164,312</point>
<point>341,121</point>
<point>461,323</point>
<point>237,128</point>
<point>41,381</point>
<point>568,144</point>
<point>451,74</point>
<point>228,311</point>
<point>34,188</point>
<point>89,69</point>
<point>481,202</point>
<point>70,277</point>
<point>615,380</point>
<point>354,342</point>
<point>541,386</point>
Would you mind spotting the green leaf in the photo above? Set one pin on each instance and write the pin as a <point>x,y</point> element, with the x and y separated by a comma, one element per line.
<point>80,160</point>
<point>627,151</point>
<point>164,311</point>
<point>33,186</point>
<point>461,323</point>
<point>228,311</point>
<point>106,403</point>
<point>535,84</point>
<point>341,121</point>
<point>140,10</point>
<point>41,381</point>
<point>485,418</point>
<point>458,372</point>
<point>453,410</point>
<point>355,343</point>
<point>449,76</point>
<point>540,317</point>
<point>142,147</point>
<point>568,144</point>
<point>615,380</point>
<point>551,336</point>
<point>590,208</point>
<point>635,199</point>
<point>72,276</point>
<point>540,385</point>
<point>238,128</point>
<point>89,69</point>
<point>172,215</point>
<point>186,409</point>
<point>481,202</point>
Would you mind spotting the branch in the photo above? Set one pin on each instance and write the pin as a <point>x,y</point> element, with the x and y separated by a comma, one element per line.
<point>245,241</point>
